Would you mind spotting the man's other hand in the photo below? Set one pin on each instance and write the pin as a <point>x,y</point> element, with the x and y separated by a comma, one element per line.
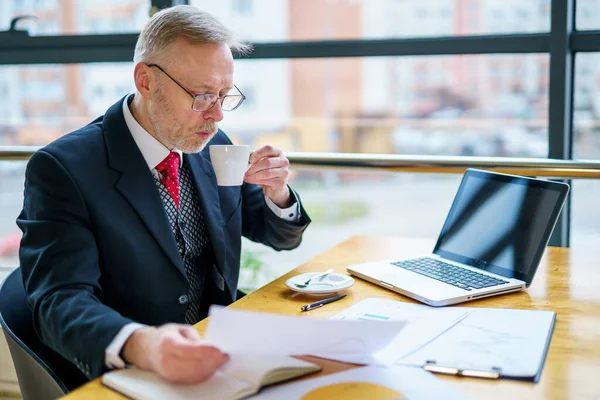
<point>270,170</point>
<point>176,352</point>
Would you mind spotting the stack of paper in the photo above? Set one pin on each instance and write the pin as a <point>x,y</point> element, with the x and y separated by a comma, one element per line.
<point>261,344</point>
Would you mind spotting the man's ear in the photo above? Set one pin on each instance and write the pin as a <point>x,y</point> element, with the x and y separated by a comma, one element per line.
<point>142,77</point>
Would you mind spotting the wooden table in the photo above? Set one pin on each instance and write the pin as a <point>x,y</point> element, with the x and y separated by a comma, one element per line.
<point>567,282</point>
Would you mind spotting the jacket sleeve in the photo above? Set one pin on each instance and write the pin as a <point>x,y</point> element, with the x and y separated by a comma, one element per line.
<point>61,271</point>
<point>260,224</point>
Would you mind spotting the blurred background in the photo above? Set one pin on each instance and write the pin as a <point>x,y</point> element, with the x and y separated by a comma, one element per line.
<point>469,105</point>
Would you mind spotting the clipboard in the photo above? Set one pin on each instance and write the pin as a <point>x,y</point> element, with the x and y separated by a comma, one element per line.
<point>492,372</point>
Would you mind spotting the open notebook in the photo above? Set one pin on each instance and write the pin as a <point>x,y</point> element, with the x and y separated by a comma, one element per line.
<point>242,376</point>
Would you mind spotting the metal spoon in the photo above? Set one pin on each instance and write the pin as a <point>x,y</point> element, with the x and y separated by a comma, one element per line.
<point>307,282</point>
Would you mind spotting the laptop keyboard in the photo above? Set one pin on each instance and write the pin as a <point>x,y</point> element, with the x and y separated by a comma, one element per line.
<point>448,273</point>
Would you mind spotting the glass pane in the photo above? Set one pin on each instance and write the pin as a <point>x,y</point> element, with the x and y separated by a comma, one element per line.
<point>12,176</point>
<point>56,17</point>
<point>41,103</point>
<point>587,14</point>
<point>358,19</point>
<point>346,203</point>
<point>586,145</point>
<point>488,105</point>
<point>585,213</point>
<point>586,117</point>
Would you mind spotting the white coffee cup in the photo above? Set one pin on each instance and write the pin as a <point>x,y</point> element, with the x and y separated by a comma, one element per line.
<point>230,163</point>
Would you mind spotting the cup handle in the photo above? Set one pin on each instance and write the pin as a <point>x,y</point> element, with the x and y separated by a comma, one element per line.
<point>249,163</point>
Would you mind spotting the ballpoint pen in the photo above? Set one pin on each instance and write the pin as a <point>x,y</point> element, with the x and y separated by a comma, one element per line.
<point>321,303</point>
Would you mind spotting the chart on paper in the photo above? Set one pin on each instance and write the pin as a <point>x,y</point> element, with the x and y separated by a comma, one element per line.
<point>390,310</point>
<point>372,317</point>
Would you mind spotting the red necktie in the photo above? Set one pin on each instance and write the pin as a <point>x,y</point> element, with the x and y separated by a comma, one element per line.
<point>169,172</point>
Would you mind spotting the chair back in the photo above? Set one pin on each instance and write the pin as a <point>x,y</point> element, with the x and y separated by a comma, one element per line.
<point>36,379</point>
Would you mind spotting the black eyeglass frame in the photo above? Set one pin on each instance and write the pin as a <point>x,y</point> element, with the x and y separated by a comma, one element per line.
<point>198,96</point>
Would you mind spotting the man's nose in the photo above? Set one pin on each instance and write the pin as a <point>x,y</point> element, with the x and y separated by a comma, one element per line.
<point>215,113</point>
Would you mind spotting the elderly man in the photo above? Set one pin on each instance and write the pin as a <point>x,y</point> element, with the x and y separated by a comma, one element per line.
<point>127,239</point>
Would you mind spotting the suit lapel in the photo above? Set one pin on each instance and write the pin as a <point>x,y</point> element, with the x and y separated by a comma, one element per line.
<point>206,186</point>
<point>136,183</point>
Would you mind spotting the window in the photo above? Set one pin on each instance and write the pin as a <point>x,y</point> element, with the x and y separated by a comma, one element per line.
<point>498,14</point>
<point>341,204</point>
<point>421,12</point>
<point>242,7</point>
<point>251,97</point>
<point>390,105</point>
<point>51,100</point>
<point>466,105</point>
<point>587,15</point>
<point>585,213</point>
<point>78,17</point>
<point>586,117</point>
<point>298,20</point>
<point>43,103</point>
<point>12,176</point>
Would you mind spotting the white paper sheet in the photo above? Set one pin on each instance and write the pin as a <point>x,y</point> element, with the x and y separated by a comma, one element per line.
<point>410,383</point>
<point>242,332</point>
<point>423,324</point>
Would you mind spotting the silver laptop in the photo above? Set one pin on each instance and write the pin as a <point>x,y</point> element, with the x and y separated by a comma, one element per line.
<point>491,243</point>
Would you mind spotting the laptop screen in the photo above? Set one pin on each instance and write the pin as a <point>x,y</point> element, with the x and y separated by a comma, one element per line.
<point>501,223</point>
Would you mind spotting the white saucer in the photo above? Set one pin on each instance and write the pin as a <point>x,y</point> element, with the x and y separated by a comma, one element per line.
<point>324,286</point>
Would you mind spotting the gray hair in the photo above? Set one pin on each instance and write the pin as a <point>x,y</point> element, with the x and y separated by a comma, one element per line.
<point>189,23</point>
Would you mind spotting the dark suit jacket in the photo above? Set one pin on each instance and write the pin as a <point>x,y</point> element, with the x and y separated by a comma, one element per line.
<point>97,249</point>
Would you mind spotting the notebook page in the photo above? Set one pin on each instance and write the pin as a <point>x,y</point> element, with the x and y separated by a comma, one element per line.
<point>146,385</point>
<point>258,370</point>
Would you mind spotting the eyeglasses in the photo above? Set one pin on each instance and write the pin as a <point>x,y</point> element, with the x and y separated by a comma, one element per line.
<point>206,101</point>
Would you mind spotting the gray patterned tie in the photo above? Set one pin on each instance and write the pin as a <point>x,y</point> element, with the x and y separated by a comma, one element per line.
<point>189,229</point>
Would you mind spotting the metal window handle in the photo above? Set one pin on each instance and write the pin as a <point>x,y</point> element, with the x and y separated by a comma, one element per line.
<point>13,26</point>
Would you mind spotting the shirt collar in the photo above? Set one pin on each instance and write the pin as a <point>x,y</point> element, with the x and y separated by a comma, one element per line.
<point>152,150</point>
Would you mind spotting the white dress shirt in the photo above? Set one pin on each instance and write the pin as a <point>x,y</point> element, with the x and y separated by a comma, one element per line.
<point>154,152</point>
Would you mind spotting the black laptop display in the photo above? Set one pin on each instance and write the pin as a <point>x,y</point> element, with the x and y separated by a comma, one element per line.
<point>501,223</point>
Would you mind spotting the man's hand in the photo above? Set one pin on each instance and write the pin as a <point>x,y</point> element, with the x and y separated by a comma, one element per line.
<point>176,352</point>
<point>270,170</point>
